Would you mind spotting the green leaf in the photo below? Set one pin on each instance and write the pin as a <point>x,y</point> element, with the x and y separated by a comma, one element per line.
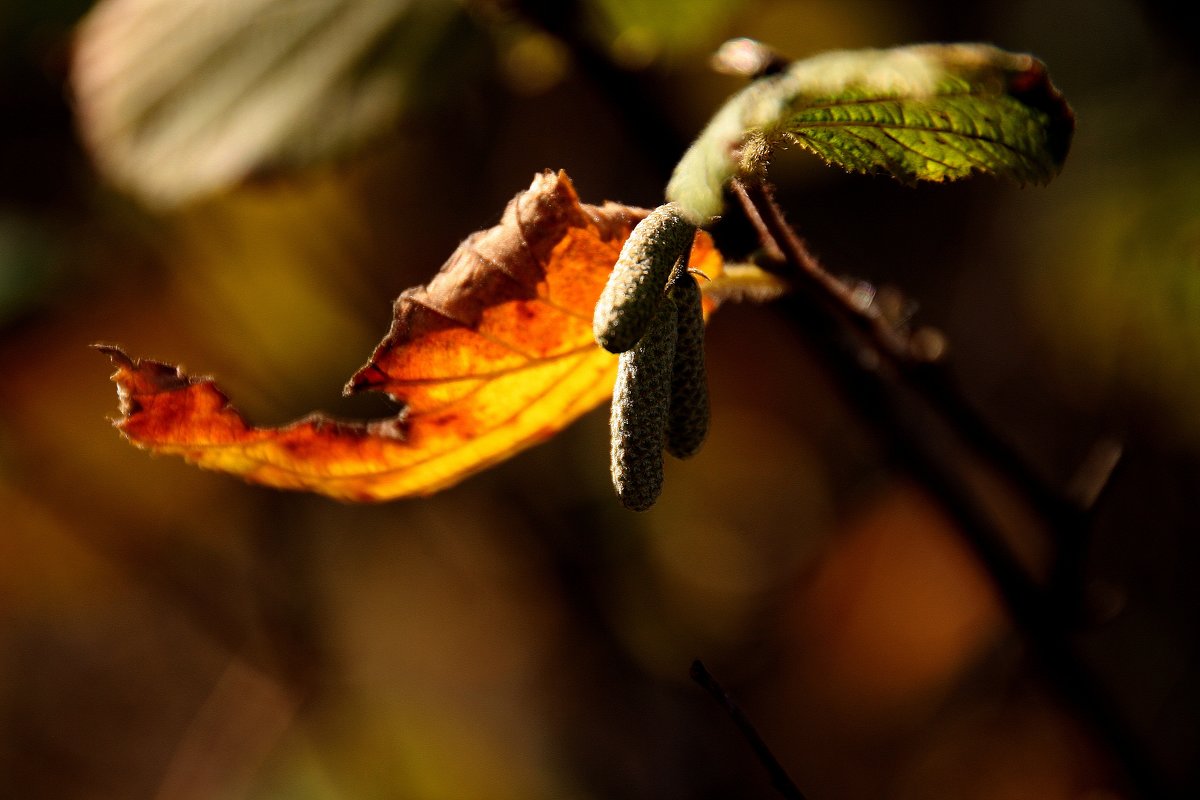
<point>180,99</point>
<point>920,113</point>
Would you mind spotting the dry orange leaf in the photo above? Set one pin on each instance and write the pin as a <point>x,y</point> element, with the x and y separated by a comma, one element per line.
<point>493,355</point>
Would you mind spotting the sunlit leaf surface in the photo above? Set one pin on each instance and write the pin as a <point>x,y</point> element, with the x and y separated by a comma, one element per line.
<point>491,356</point>
<point>920,113</point>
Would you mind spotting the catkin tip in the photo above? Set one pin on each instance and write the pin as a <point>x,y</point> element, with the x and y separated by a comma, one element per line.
<point>635,286</point>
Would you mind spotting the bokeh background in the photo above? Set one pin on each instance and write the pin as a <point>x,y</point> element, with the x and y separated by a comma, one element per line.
<point>170,633</point>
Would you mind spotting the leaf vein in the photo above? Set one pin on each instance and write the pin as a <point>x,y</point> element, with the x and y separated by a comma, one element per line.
<point>493,374</point>
<point>848,125</point>
<point>910,148</point>
<point>474,329</point>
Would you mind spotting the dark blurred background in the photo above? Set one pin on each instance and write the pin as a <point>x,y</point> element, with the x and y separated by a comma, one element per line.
<point>171,633</point>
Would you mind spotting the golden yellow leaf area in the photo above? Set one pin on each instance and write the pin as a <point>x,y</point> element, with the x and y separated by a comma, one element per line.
<point>493,355</point>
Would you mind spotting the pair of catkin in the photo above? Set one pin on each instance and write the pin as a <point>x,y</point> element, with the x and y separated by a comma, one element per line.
<point>650,312</point>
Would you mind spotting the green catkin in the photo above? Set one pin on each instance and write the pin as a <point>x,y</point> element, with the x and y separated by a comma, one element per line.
<point>641,398</point>
<point>635,285</point>
<point>687,421</point>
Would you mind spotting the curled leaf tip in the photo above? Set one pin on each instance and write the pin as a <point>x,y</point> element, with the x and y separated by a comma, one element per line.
<point>1033,88</point>
<point>114,352</point>
<point>137,376</point>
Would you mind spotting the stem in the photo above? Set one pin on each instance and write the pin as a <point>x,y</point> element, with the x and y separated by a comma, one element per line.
<point>930,380</point>
<point>779,778</point>
<point>914,408</point>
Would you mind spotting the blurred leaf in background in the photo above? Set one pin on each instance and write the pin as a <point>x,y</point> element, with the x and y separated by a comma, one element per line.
<point>180,99</point>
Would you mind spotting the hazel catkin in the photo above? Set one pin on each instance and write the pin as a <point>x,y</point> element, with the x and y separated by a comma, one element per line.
<point>641,398</point>
<point>635,285</point>
<point>687,421</point>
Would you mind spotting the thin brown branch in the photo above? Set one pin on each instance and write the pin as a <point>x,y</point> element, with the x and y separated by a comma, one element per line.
<point>925,422</point>
<point>770,246</point>
<point>780,237</point>
<point>929,379</point>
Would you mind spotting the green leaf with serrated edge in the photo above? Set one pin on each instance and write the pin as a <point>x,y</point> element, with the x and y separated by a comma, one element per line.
<point>921,113</point>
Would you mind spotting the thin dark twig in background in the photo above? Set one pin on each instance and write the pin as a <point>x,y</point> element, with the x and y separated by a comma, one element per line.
<point>782,782</point>
<point>930,380</point>
<point>939,439</point>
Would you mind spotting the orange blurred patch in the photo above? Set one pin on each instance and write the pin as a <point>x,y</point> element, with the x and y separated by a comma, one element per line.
<point>898,608</point>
